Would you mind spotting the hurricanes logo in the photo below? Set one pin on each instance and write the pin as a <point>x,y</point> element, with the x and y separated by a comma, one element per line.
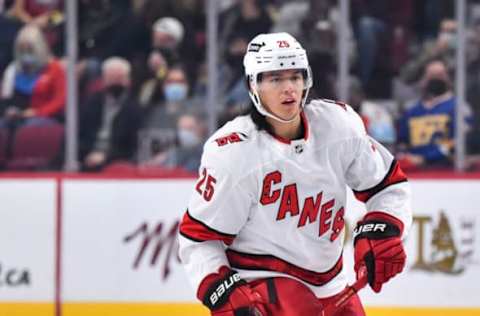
<point>231,138</point>
<point>445,248</point>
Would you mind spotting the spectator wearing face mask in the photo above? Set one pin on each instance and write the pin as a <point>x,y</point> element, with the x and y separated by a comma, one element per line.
<point>34,86</point>
<point>110,119</point>
<point>441,47</point>
<point>427,130</point>
<point>175,86</point>
<point>191,134</point>
<point>175,90</point>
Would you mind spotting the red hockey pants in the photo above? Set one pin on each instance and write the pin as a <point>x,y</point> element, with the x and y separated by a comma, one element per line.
<point>288,297</point>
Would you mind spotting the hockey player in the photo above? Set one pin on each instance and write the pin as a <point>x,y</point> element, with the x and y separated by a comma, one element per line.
<point>264,230</point>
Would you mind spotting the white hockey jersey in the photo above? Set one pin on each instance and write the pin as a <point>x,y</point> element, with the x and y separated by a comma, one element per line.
<point>267,206</point>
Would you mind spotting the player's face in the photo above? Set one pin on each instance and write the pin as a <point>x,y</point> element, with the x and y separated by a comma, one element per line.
<point>281,92</point>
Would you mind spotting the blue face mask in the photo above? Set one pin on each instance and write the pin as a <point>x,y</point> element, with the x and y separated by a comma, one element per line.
<point>188,138</point>
<point>29,61</point>
<point>175,91</point>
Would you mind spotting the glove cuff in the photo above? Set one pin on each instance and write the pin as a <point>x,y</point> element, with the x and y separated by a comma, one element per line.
<point>215,288</point>
<point>378,225</point>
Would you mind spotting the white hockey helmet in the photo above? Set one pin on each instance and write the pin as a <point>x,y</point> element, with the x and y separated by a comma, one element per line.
<point>272,52</point>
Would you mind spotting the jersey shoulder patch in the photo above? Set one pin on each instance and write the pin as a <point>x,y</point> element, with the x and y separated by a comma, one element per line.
<point>228,146</point>
<point>231,138</point>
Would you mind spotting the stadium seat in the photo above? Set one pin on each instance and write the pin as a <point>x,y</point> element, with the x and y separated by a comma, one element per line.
<point>36,147</point>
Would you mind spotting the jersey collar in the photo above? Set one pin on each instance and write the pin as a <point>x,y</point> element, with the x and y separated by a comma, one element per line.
<point>306,131</point>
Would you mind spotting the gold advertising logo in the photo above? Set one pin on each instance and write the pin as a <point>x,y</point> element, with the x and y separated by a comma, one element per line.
<point>443,247</point>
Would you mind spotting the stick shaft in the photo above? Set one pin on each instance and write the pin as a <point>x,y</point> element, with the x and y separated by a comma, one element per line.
<point>347,294</point>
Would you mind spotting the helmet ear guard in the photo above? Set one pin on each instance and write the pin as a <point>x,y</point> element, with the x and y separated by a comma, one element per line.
<point>274,52</point>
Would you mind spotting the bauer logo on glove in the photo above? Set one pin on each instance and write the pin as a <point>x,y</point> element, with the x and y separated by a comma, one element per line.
<point>224,287</point>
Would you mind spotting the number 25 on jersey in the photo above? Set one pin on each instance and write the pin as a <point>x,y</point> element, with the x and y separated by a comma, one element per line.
<point>205,187</point>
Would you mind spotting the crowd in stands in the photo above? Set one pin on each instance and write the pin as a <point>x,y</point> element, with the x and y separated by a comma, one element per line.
<point>142,76</point>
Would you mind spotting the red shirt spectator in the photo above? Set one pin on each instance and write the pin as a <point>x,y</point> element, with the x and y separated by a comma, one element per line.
<point>49,93</point>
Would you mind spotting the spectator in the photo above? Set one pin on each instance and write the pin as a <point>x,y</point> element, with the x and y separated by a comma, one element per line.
<point>175,90</point>
<point>167,35</point>
<point>110,120</point>
<point>34,87</point>
<point>441,47</point>
<point>427,130</point>
<point>191,16</point>
<point>151,89</point>
<point>159,126</point>
<point>473,91</point>
<point>191,134</point>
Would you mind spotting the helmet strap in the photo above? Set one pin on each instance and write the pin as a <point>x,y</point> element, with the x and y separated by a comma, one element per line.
<point>262,110</point>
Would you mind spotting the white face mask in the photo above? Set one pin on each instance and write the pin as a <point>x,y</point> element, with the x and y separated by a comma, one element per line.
<point>175,91</point>
<point>450,38</point>
<point>188,138</point>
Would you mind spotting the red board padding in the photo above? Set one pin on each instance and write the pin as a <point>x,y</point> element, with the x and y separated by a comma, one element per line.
<point>181,174</point>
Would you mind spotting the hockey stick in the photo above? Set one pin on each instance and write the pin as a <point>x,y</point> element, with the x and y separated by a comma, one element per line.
<point>347,294</point>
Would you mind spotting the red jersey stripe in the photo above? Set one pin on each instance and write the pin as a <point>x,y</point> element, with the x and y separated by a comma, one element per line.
<point>195,230</point>
<point>394,175</point>
<point>246,261</point>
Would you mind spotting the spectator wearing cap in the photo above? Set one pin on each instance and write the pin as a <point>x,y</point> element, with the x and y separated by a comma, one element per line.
<point>167,36</point>
<point>169,40</point>
<point>110,119</point>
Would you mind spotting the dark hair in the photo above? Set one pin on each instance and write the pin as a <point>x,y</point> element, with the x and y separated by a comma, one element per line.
<point>259,120</point>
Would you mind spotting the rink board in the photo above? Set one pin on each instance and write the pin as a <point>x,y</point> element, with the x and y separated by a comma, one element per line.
<point>94,246</point>
<point>104,309</point>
